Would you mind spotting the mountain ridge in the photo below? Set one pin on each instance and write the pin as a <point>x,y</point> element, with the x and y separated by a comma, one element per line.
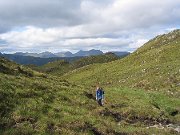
<point>45,57</point>
<point>30,60</point>
<point>47,54</point>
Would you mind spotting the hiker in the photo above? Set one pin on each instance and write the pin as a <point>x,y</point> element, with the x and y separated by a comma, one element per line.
<point>99,96</point>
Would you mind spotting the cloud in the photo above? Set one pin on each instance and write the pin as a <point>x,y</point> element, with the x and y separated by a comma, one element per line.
<point>42,13</point>
<point>58,39</point>
<point>132,14</point>
<point>82,24</point>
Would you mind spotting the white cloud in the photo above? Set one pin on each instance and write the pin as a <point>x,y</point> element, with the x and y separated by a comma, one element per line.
<point>54,38</point>
<point>131,14</point>
<point>82,24</point>
<point>34,35</point>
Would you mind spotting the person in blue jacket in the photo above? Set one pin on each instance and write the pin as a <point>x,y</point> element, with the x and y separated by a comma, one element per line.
<point>99,96</point>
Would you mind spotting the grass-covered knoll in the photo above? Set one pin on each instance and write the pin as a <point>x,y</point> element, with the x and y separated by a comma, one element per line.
<point>104,58</point>
<point>9,67</point>
<point>61,66</point>
<point>57,68</point>
<point>154,66</point>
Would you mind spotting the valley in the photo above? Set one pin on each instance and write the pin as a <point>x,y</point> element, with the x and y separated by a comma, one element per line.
<point>142,93</point>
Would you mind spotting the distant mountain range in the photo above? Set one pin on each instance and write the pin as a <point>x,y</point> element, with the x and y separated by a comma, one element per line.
<point>45,57</point>
<point>41,55</point>
<point>30,60</point>
<point>88,53</point>
<point>68,54</point>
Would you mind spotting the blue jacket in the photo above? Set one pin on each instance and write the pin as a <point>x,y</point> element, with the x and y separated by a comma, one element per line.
<point>99,94</point>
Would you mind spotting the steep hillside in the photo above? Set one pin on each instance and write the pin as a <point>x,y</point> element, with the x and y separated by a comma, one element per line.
<point>60,67</point>
<point>154,66</point>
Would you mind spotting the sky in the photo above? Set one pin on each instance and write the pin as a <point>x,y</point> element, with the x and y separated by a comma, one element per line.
<point>72,25</point>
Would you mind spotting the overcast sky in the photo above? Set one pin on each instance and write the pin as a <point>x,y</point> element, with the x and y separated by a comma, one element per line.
<point>72,25</point>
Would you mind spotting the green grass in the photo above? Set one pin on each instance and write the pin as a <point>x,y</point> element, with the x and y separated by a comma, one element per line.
<point>140,102</point>
<point>151,67</point>
<point>52,106</point>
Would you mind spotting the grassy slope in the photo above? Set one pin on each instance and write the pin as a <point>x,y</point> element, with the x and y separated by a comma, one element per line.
<point>33,103</point>
<point>145,84</point>
<point>61,67</point>
<point>58,67</point>
<point>43,104</point>
<point>52,106</point>
<point>155,66</point>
